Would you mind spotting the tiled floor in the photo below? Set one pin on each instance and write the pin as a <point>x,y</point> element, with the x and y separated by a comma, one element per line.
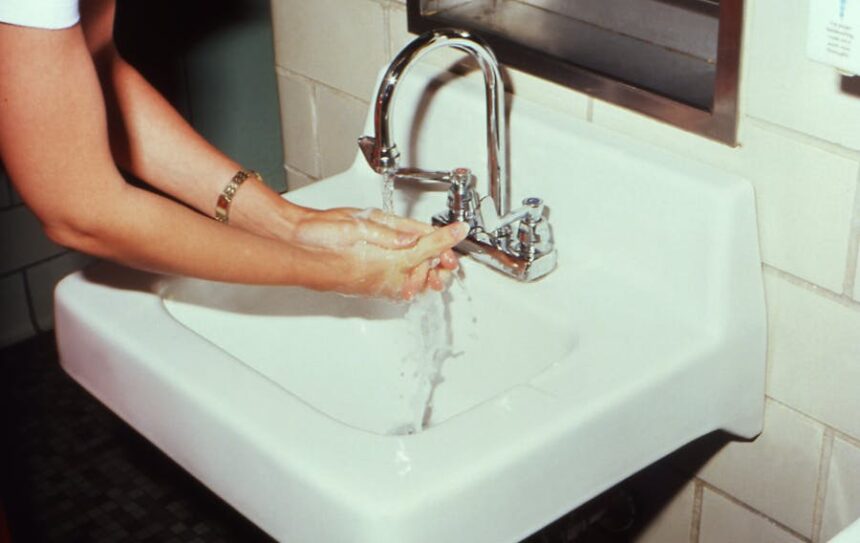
<point>72,472</point>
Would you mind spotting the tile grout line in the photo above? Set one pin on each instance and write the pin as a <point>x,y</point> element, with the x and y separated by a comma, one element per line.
<point>837,433</point>
<point>316,132</point>
<point>31,307</point>
<point>756,512</point>
<point>812,287</point>
<point>386,25</point>
<point>806,139</point>
<point>696,520</point>
<point>849,286</point>
<point>280,70</point>
<point>849,439</point>
<point>821,487</point>
<point>34,264</point>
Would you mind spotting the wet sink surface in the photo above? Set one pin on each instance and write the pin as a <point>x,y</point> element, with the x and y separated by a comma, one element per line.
<point>371,363</point>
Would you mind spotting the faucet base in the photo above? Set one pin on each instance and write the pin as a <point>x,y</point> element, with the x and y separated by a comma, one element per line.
<point>486,249</point>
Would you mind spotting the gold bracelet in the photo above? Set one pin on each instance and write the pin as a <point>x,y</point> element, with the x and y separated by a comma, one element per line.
<point>222,206</point>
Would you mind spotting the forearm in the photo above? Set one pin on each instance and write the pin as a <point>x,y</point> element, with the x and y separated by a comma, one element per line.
<point>137,228</point>
<point>153,142</point>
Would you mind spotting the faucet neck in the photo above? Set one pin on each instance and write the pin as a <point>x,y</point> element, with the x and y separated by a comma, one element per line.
<point>383,154</point>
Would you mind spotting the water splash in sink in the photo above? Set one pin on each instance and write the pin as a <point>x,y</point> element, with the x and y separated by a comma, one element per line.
<point>430,327</point>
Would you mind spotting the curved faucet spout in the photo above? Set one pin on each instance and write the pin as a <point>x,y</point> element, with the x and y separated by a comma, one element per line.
<point>381,151</point>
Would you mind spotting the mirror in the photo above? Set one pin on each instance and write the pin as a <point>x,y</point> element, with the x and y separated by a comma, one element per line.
<point>674,60</point>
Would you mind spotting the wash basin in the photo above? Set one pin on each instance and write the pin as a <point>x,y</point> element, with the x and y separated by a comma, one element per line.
<point>308,411</point>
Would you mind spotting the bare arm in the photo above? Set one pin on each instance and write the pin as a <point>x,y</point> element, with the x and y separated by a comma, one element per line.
<point>151,140</point>
<point>55,145</point>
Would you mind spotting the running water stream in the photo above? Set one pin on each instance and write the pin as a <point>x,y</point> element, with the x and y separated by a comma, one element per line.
<point>430,327</point>
<point>388,193</point>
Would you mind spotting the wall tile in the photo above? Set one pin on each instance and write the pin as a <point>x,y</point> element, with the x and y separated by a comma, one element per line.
<point>814,349</point>
<point>777,473</point>
<point>724,521</point>
<point>297,179</point>
<point>16,198</point>
<point>233,93</point>
<point>43,278</point>
<point>397,29</point>
<point>342,44</point>
<point>340,121</point>
<point>5,189</point>
<point>298,118</point>
<point>842,503</point>
<point>15,323</point>
<point>400,36</point>
<point>22,241</point>
<point>804,195</point>
<point>857,279</point>
<point>804,200</point>
<point>664,505</point>
<point>783,86</point>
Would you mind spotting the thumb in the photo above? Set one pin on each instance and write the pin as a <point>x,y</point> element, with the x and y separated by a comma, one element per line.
<point>439,241</point>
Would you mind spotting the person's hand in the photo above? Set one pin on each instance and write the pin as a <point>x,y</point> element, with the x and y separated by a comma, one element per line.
<point>381,255</point>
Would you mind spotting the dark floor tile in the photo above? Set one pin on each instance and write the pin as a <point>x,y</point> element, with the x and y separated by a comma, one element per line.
<point>72,472</point>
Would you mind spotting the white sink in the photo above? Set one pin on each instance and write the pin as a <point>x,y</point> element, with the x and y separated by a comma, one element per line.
<point>293,405</point>
<point>849,534</point>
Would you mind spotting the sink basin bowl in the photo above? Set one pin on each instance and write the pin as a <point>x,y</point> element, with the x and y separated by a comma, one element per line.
<point>298,407</point>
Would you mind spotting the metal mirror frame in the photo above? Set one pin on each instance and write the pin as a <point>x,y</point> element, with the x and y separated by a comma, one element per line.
<point>718,123</point>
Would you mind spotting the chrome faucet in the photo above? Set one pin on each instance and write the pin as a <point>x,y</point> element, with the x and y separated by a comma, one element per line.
<point>526,255</point>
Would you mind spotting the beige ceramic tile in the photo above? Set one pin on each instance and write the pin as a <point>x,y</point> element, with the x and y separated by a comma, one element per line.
<point>400,37</point>
<point>340,43</point>
<point>664,504</point>
<point>726,522</point>
<point>804,194</point>
<point>398,33</point>
<point>22,241</point>
<point>783,86</point>
<point>340,123</point>
<point>842,503</point>
<point>43,278</point>
<point>804,200</point>
<point>297,179</point>
<point>813,354</point>
<point>777,473</point>
<point>857,277</point>
<point>298,122</point>
<point>15,323</point>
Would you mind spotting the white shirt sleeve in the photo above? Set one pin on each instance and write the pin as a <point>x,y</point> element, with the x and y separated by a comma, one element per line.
<point>52,14</point>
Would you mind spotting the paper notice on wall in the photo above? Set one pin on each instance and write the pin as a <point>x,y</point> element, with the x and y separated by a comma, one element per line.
<point>833,34</point>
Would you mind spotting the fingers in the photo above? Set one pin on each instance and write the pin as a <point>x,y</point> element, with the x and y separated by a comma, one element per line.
<point>416,281</point>
<point>383,236</point>
<point>401,223</point>
<point>448,260</point>
<point>344,233</point>
<point>439,241</point>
